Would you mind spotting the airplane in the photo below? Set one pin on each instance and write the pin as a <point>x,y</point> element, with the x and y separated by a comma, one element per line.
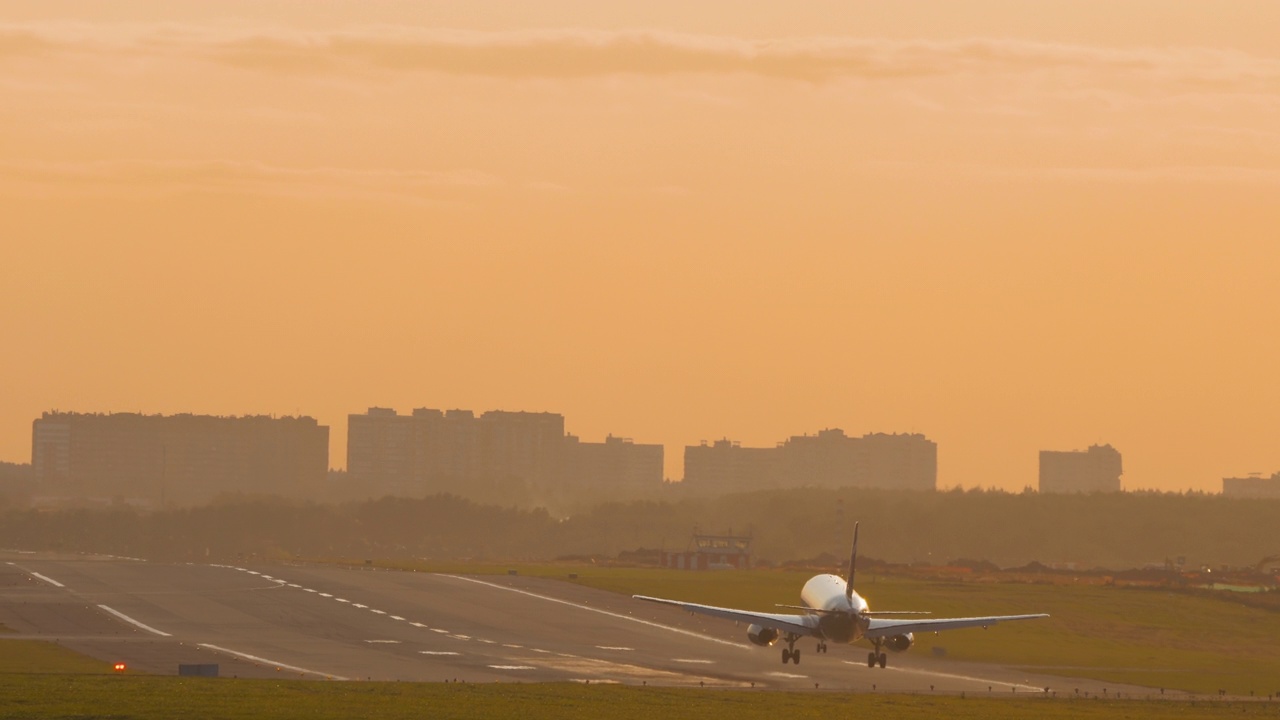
<point>834,612</point>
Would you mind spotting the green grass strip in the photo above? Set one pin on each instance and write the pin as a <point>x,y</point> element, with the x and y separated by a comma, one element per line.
<point>144,697</point>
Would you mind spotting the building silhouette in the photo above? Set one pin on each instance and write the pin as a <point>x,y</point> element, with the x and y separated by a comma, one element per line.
<point>499,455</point>
<point>1097,469</point>
<point>177,460</point>
<point>827,459</point>
<point>1254,486</point>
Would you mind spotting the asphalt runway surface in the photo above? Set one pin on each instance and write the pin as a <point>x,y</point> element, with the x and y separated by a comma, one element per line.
<point>323,622</point>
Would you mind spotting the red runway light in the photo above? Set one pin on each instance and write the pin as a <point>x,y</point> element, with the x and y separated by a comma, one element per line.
<point>119,667</point>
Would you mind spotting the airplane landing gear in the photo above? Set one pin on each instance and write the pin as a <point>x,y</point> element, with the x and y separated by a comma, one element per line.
<point>876,657</point>
<point>822,648</point>
<point>790,653</point>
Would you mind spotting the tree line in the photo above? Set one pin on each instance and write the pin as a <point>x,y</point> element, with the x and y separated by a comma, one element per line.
<point>1112,530</point>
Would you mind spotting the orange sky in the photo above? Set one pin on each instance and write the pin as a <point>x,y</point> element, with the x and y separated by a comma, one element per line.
<point>1011,226</point>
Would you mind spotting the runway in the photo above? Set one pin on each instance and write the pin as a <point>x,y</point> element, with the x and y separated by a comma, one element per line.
<point>322,622</point>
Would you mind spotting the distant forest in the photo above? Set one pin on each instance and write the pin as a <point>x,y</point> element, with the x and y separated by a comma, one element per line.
<point>1115,530</point>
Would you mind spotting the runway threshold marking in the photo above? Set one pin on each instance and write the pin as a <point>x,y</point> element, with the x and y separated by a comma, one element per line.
<point>131,621</point>
<point>264,661</point>
<point>46,578</point>
<point>619,616</point>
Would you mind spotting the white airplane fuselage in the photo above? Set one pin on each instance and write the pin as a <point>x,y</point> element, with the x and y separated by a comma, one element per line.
<point>838,614</point>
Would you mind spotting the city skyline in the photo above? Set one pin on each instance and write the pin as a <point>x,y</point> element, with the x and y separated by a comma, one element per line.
<point>1008,228</point>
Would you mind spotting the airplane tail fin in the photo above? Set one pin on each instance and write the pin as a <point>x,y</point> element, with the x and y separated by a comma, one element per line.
<point>853,565</point>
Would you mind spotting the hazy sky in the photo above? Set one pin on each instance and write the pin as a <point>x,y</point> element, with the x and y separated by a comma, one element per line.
<point>1011,226</point>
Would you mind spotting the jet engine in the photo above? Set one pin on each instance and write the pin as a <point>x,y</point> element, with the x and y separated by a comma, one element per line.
<point>763,636</point>
<point>899,643</point>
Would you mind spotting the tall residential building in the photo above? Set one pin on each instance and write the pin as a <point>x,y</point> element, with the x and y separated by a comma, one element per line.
<point>615,464</point>
<point>1254,486</point>
<point>828,459</point>
<point>1097,469</point>
<point>177,460</point>
<point>498,455</point>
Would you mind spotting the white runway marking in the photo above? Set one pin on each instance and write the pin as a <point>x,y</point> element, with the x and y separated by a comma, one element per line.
<point>620,616</point>
<point>486,642</point>
<point>47,579</point>
<point>294,585</point>
<point>308,590</point>
<point>419,625</point>
<point>788,675</point>
<point>963,677</point>
<point>384,642</point>
<point>395,617</point>
<point>253,572</point>
<point>358,605</point>
<point>264,661</point>
<point>513,647</point>
<point>342,600</point>
<point>693,661</point>
<point>438,630</point>
<point>379,612</point>
<point>613,647</point>
<point>437,652</point>
<point>461,637</point>
<point>325,595</point>
<point>131,621</point>
<point>513,667</point>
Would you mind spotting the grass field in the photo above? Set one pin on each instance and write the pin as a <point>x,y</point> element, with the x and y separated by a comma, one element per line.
<point>141,697</point>
<point>38,656</point>
<point>1156,638</point>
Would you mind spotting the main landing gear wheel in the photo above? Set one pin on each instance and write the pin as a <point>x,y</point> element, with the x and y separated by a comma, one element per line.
<point>822,648</point>
<point>874,658</point>
<point>790,653</point>
<point>884,659</point>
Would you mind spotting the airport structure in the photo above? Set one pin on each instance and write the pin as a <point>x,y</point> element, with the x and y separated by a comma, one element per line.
<point>828,459</point>
<point>1254,486</point>
<point>515,455</point>
<point>174,461</point>
<point>711,552</point>
<point>1097,469</point>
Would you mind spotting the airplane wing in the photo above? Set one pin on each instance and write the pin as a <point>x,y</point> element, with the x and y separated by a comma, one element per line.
<point>798,624</point>
<point>881,627</point>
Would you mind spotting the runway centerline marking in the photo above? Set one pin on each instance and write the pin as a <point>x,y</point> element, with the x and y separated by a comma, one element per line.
<point>46,578</point>
<point>620,616</point>
<point>417,624</point>
<point>379,612</point>
<point>358,605</point>
<point>384,642</point>
<point>513,667</point>
<point>133,622</point>
<point>395,617</point>
<point>613,647</point>
<point>693,661</point>
<point>438,652</point>
<point>792,676</point>
<point>264,661</point>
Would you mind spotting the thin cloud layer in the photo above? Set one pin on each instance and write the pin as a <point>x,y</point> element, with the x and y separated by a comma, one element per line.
<point>588,53</point>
